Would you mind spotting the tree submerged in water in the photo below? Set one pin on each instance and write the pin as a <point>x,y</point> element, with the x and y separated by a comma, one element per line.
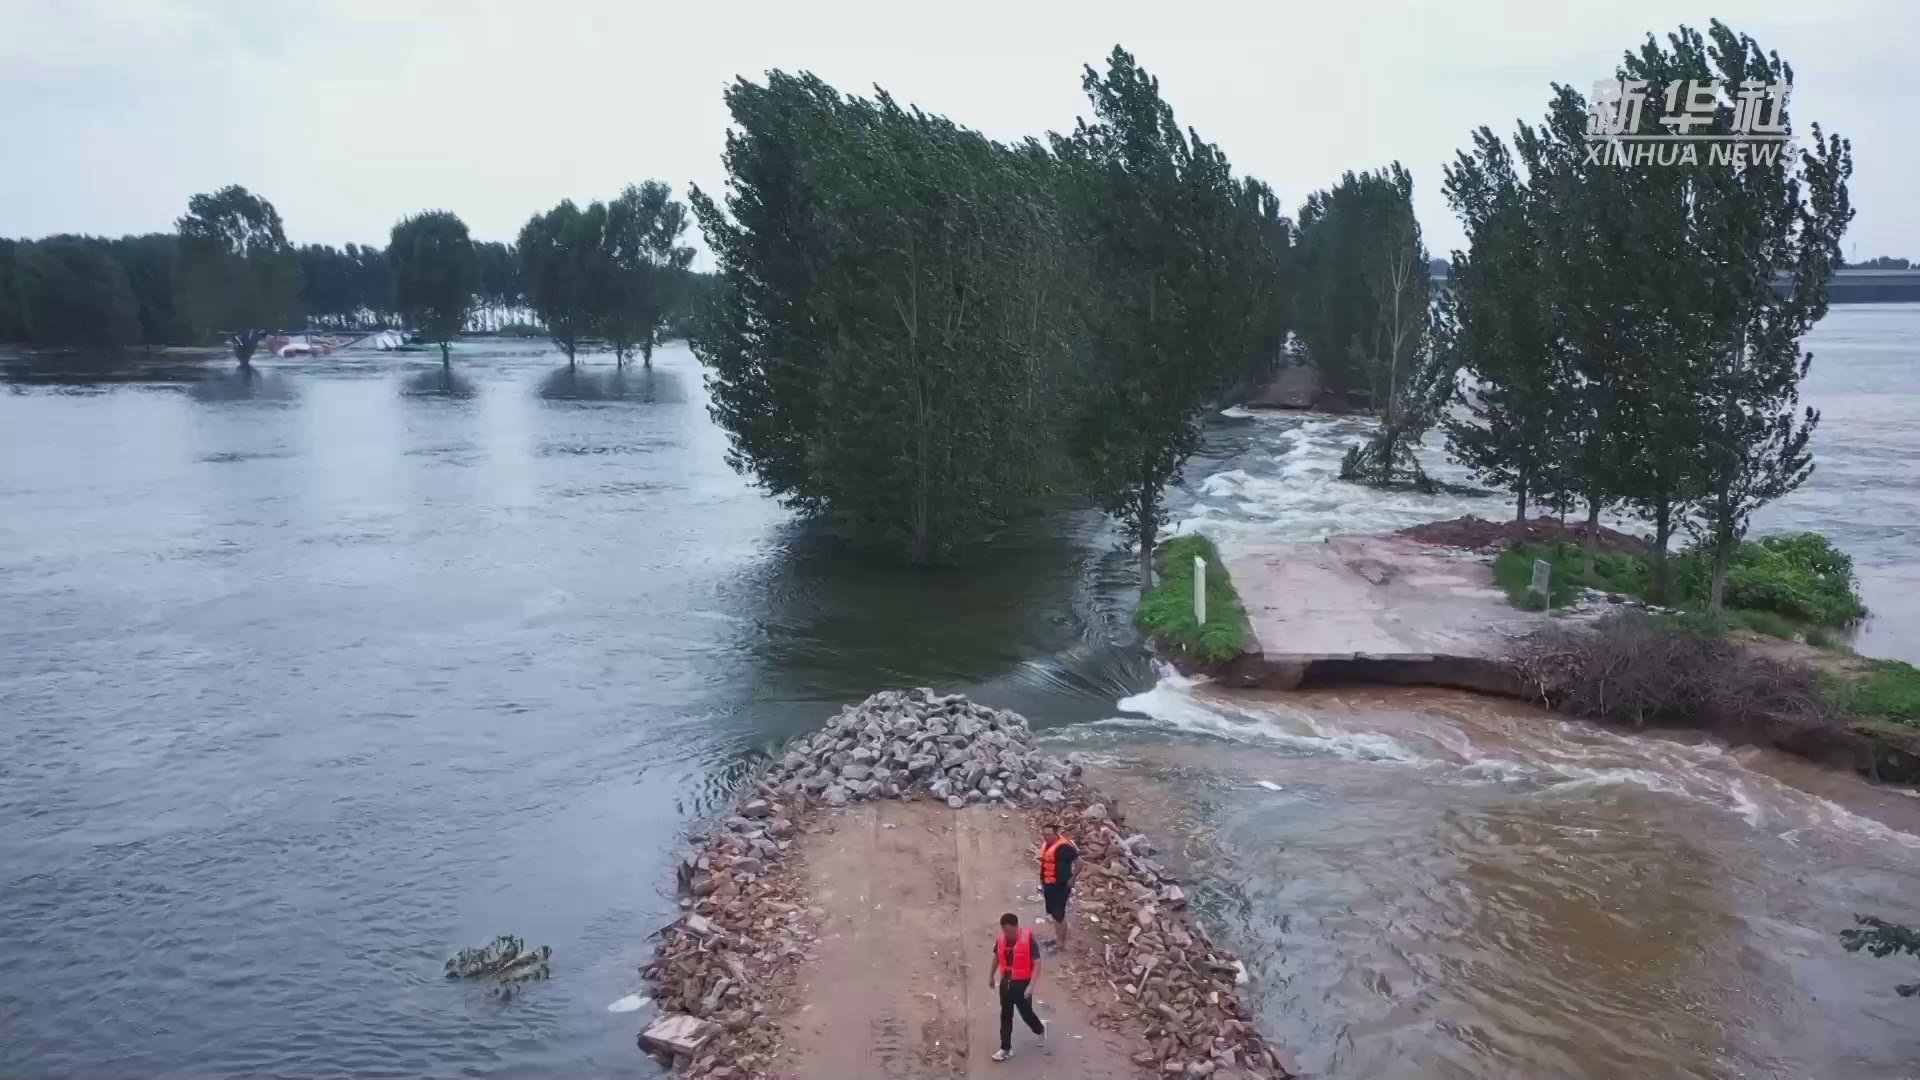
<point>506,959</point>
<point>1882,939</point>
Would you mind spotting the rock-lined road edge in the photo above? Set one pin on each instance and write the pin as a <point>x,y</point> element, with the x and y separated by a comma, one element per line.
<point>726,975</point>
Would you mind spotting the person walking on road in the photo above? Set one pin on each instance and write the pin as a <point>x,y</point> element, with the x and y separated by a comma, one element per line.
<point>1056,878</point>
<point>1016,964</point>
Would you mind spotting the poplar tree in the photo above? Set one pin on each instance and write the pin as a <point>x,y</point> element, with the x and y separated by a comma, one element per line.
<point>238,275</point>
<point>642,267</point>
<point>1783,214</point>
<point>1495,323</point>
<point>1175,253</point>
<point>435,274</point>
<point>561,256</point>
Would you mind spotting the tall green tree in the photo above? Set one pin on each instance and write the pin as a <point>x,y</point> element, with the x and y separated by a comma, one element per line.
<point>1364,314</point>
<point>12,320</point>
<point>755,333</point>
<point>1360,305</point>
<point>643,267</point>
<point>885,342</point>
<point>74,294</point>
<point>1171,253</point>
<point>1588,220</point>
<point>238,275</point>
<point>434,275</point>
<point>500,287</point>
<point>151,263</point>
<point>1496,323</point>
<point>561,261</point>
<point>1782,213</point>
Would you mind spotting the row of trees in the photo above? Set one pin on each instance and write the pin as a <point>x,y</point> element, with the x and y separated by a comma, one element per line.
<point>229,273</point>
<point>924,334</point>
<point>1625,341</point>
<point>615,271</point>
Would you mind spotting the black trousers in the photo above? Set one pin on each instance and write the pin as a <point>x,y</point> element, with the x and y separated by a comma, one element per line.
<point>1013,995</point>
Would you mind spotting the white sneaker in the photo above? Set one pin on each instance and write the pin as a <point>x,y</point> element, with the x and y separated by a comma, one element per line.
<point>1002,1055</point>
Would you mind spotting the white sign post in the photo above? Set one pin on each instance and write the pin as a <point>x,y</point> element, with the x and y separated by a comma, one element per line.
<point>1200,590</point>
<point>1542,578</point>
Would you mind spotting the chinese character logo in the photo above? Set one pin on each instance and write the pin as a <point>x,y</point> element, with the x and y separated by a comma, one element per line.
<point>1616,107</point>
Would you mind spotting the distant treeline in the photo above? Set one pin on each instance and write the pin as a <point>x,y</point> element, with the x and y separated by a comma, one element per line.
<point>71,291</point>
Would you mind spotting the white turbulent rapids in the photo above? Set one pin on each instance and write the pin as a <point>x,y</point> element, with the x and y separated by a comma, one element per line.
<point>1445,885</point>
<point>1556,753</point>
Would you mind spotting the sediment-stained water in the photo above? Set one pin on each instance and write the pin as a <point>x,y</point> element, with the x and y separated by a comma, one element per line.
<point>312,676</point>
<point>1433,884</point>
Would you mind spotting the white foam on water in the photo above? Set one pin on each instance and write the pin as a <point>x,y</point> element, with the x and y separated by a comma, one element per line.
<point>1834,816</point>
<point>1171,704</point>
<point>1752,812</point>
<point>1702,773</point>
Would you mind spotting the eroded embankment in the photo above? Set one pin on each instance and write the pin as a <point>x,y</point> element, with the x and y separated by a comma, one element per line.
<point>840,921</point>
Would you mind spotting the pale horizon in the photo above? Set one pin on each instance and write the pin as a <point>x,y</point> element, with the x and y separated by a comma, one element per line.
<point>348,115</point>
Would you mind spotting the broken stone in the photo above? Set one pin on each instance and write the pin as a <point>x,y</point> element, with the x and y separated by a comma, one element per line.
<point>756,808</point>
<point>956,801</point>
<point>836,795</point>
<point>677,1034</point>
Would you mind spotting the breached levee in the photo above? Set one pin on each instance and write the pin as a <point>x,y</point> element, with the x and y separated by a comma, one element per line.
<point>725,973</point>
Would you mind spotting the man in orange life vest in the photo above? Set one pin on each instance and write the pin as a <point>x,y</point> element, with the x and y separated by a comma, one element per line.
<point>1016,964</point>
<point>1056,878</point>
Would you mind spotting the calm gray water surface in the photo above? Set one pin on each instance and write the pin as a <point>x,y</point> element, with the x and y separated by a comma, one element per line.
<point>312,676</point>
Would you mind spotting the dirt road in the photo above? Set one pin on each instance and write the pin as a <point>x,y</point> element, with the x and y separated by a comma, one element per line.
<point>913,894</point>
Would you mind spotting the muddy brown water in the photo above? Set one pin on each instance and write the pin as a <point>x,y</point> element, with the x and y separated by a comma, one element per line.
<point>1435,884</point>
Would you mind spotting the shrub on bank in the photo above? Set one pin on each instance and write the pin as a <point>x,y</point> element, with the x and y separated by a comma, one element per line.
<point>1166,614</point>
<point>1777,585</point>
<point>1882,690</point>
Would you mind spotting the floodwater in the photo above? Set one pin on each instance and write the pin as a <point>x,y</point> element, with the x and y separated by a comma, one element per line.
<point>1430,884</point>
<point>310,677</point>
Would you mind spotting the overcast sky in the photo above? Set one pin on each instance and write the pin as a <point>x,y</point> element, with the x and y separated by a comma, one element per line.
<point>348,114</point>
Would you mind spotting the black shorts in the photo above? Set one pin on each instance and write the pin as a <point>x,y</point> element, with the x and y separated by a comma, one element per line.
<point>1056,898</point>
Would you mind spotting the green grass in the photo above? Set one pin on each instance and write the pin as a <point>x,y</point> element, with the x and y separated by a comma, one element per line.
<point>1770,623</point>
<point>1822,638</point>
<point>1613,572</point>
<point>1782,586</point>
<point>1166,614</point>
<point>1885,690</point>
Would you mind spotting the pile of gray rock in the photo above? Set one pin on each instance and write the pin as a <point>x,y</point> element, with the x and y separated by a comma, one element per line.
<point>917,744</point>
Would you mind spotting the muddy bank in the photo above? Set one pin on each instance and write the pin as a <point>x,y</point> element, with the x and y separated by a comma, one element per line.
<point>744,981</point>
<point>1420,608</point>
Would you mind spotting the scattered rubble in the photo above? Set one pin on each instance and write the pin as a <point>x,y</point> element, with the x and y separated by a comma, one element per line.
<point>507,959</point>
<point>722,973</point>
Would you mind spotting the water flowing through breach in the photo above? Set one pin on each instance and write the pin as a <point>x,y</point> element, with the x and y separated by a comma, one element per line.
<point>1433,884</point>
<point>313,675</point>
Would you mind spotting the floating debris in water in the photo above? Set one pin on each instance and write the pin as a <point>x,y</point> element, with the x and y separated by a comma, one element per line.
<point>1269,785</point>
<point>630,1003</point>
<point>507,959</point>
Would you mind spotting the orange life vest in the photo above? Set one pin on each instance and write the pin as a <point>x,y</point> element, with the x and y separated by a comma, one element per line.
<point>1049,868</point>
<point>1016,956</point>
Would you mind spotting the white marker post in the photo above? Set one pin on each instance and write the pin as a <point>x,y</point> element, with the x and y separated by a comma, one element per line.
<point>1200,590</point>
<point>1542,579</point>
